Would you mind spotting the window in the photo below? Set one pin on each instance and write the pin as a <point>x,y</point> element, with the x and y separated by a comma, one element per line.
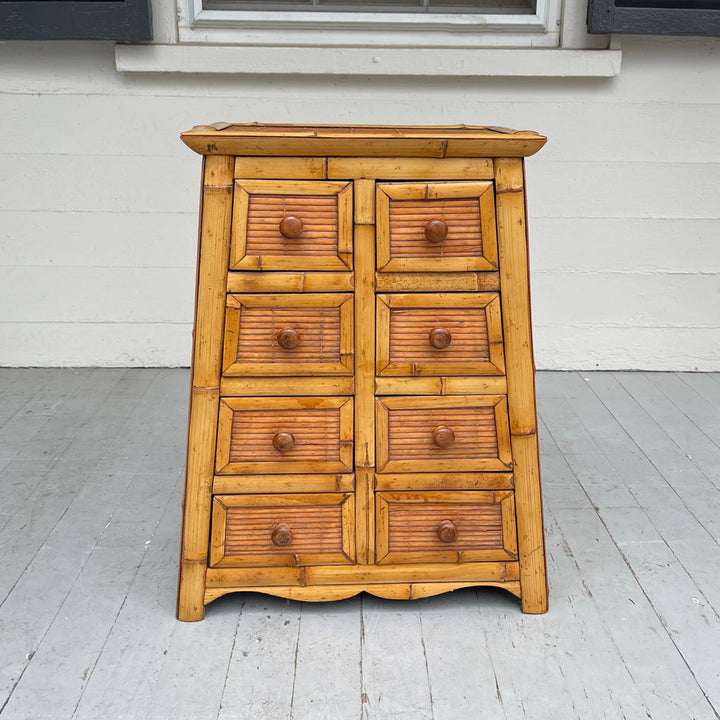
<point>368,23</point>
<point>75,20</point>
<point>655,17</point>
<point>381,6</point>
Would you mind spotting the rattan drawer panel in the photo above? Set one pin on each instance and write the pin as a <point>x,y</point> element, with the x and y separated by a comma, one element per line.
<point>266,530</point>
<point>285,435</point>
<point>436,227</point>
<point>464,433</point>
<point>439,334</point>
<point>291,225</point>
<point>304,334</point>
<point>445,526</point>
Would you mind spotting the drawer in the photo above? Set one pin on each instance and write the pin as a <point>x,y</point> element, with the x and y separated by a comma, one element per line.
<point>285,435</point>
<point>439,334</point>
<point>291,225</point>
<point>463,433</point>
<point>445,526</point>
<point>304,334</point>
<point>265,530</point>
<point>436,227</point>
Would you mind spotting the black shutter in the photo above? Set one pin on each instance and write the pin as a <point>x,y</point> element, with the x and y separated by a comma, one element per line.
<point>75,20</point>
<point>654,17</point>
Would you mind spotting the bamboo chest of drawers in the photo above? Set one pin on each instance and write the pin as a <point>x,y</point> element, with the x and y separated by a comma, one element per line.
<point>362,412</point>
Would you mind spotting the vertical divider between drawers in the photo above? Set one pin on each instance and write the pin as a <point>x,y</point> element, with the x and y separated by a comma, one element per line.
<point>364,232</point>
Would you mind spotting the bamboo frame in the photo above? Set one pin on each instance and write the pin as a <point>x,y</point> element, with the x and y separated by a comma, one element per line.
<point>388,591</point>
<point>364,366</point>
<point>472,572</point>
<point>254,281</point>
<point>443,481</point>
<point>515,297</point>
<point>286,386</point>
<point>294,483</point>
<point>399,168</point>
<point>213,249</point>
<point>281,168</point>
<point>362,140</point>
<point>490,385</point>
<point>437,282</point>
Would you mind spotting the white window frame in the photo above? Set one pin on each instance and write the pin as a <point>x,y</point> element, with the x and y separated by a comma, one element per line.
<point>367,29</point>
<point>552,43</point>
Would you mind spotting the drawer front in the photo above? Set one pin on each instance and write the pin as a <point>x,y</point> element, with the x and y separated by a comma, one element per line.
<point>307,334</point>
<point>265,530</point>
<point>436,227</point>
<point>291,225</point>
<point>445,527</point>
<point>464,433</point>
<point>285,435</point>
<point>439,334</point>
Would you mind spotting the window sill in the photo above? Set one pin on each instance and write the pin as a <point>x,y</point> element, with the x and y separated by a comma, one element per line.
<point>425,62</point>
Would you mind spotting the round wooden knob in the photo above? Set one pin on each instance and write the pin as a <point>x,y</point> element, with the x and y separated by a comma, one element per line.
<point>443,436</point>
<point>288,339</point>
<point>283,441</point>
<point>447,531</point>
<point>282,535</point>
<point>436,231</point>
<point>440,338</point>
<point>291,226</point>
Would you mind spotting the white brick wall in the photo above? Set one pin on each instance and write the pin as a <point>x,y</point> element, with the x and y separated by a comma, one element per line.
<point>98,198</point>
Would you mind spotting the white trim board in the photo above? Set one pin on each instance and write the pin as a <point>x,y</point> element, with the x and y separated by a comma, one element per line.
<point>259,60</point>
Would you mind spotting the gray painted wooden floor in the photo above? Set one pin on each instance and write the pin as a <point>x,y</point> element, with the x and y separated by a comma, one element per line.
<point>90,486</point>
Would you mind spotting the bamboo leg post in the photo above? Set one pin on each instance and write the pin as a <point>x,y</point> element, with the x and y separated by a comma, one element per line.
<point>205,384</point>
<point>515,297</point>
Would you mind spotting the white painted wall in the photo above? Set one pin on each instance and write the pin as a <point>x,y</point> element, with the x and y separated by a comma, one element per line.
<point>98,198</point>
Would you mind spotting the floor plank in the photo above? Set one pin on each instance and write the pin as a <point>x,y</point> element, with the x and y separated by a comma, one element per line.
<point>706,384</point>
<point>125,675</point>
<point>580,446</point>
<point>328,673</point>
<point>690,621</point>
<point>193,674</point>
<point>560,485</point>
<point>68,652</point>
<point>690,395</point>
<point>63,484</point>
<point>47,435</point>
<point>688,448</point>
<point>460,666</point>
<point>20,386</point>
<point>568,652</point>
<point>623,431</point>
<point>82,505</point>
<point>395,682</point>
<point>666,684</point>
<point>263,662</point>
